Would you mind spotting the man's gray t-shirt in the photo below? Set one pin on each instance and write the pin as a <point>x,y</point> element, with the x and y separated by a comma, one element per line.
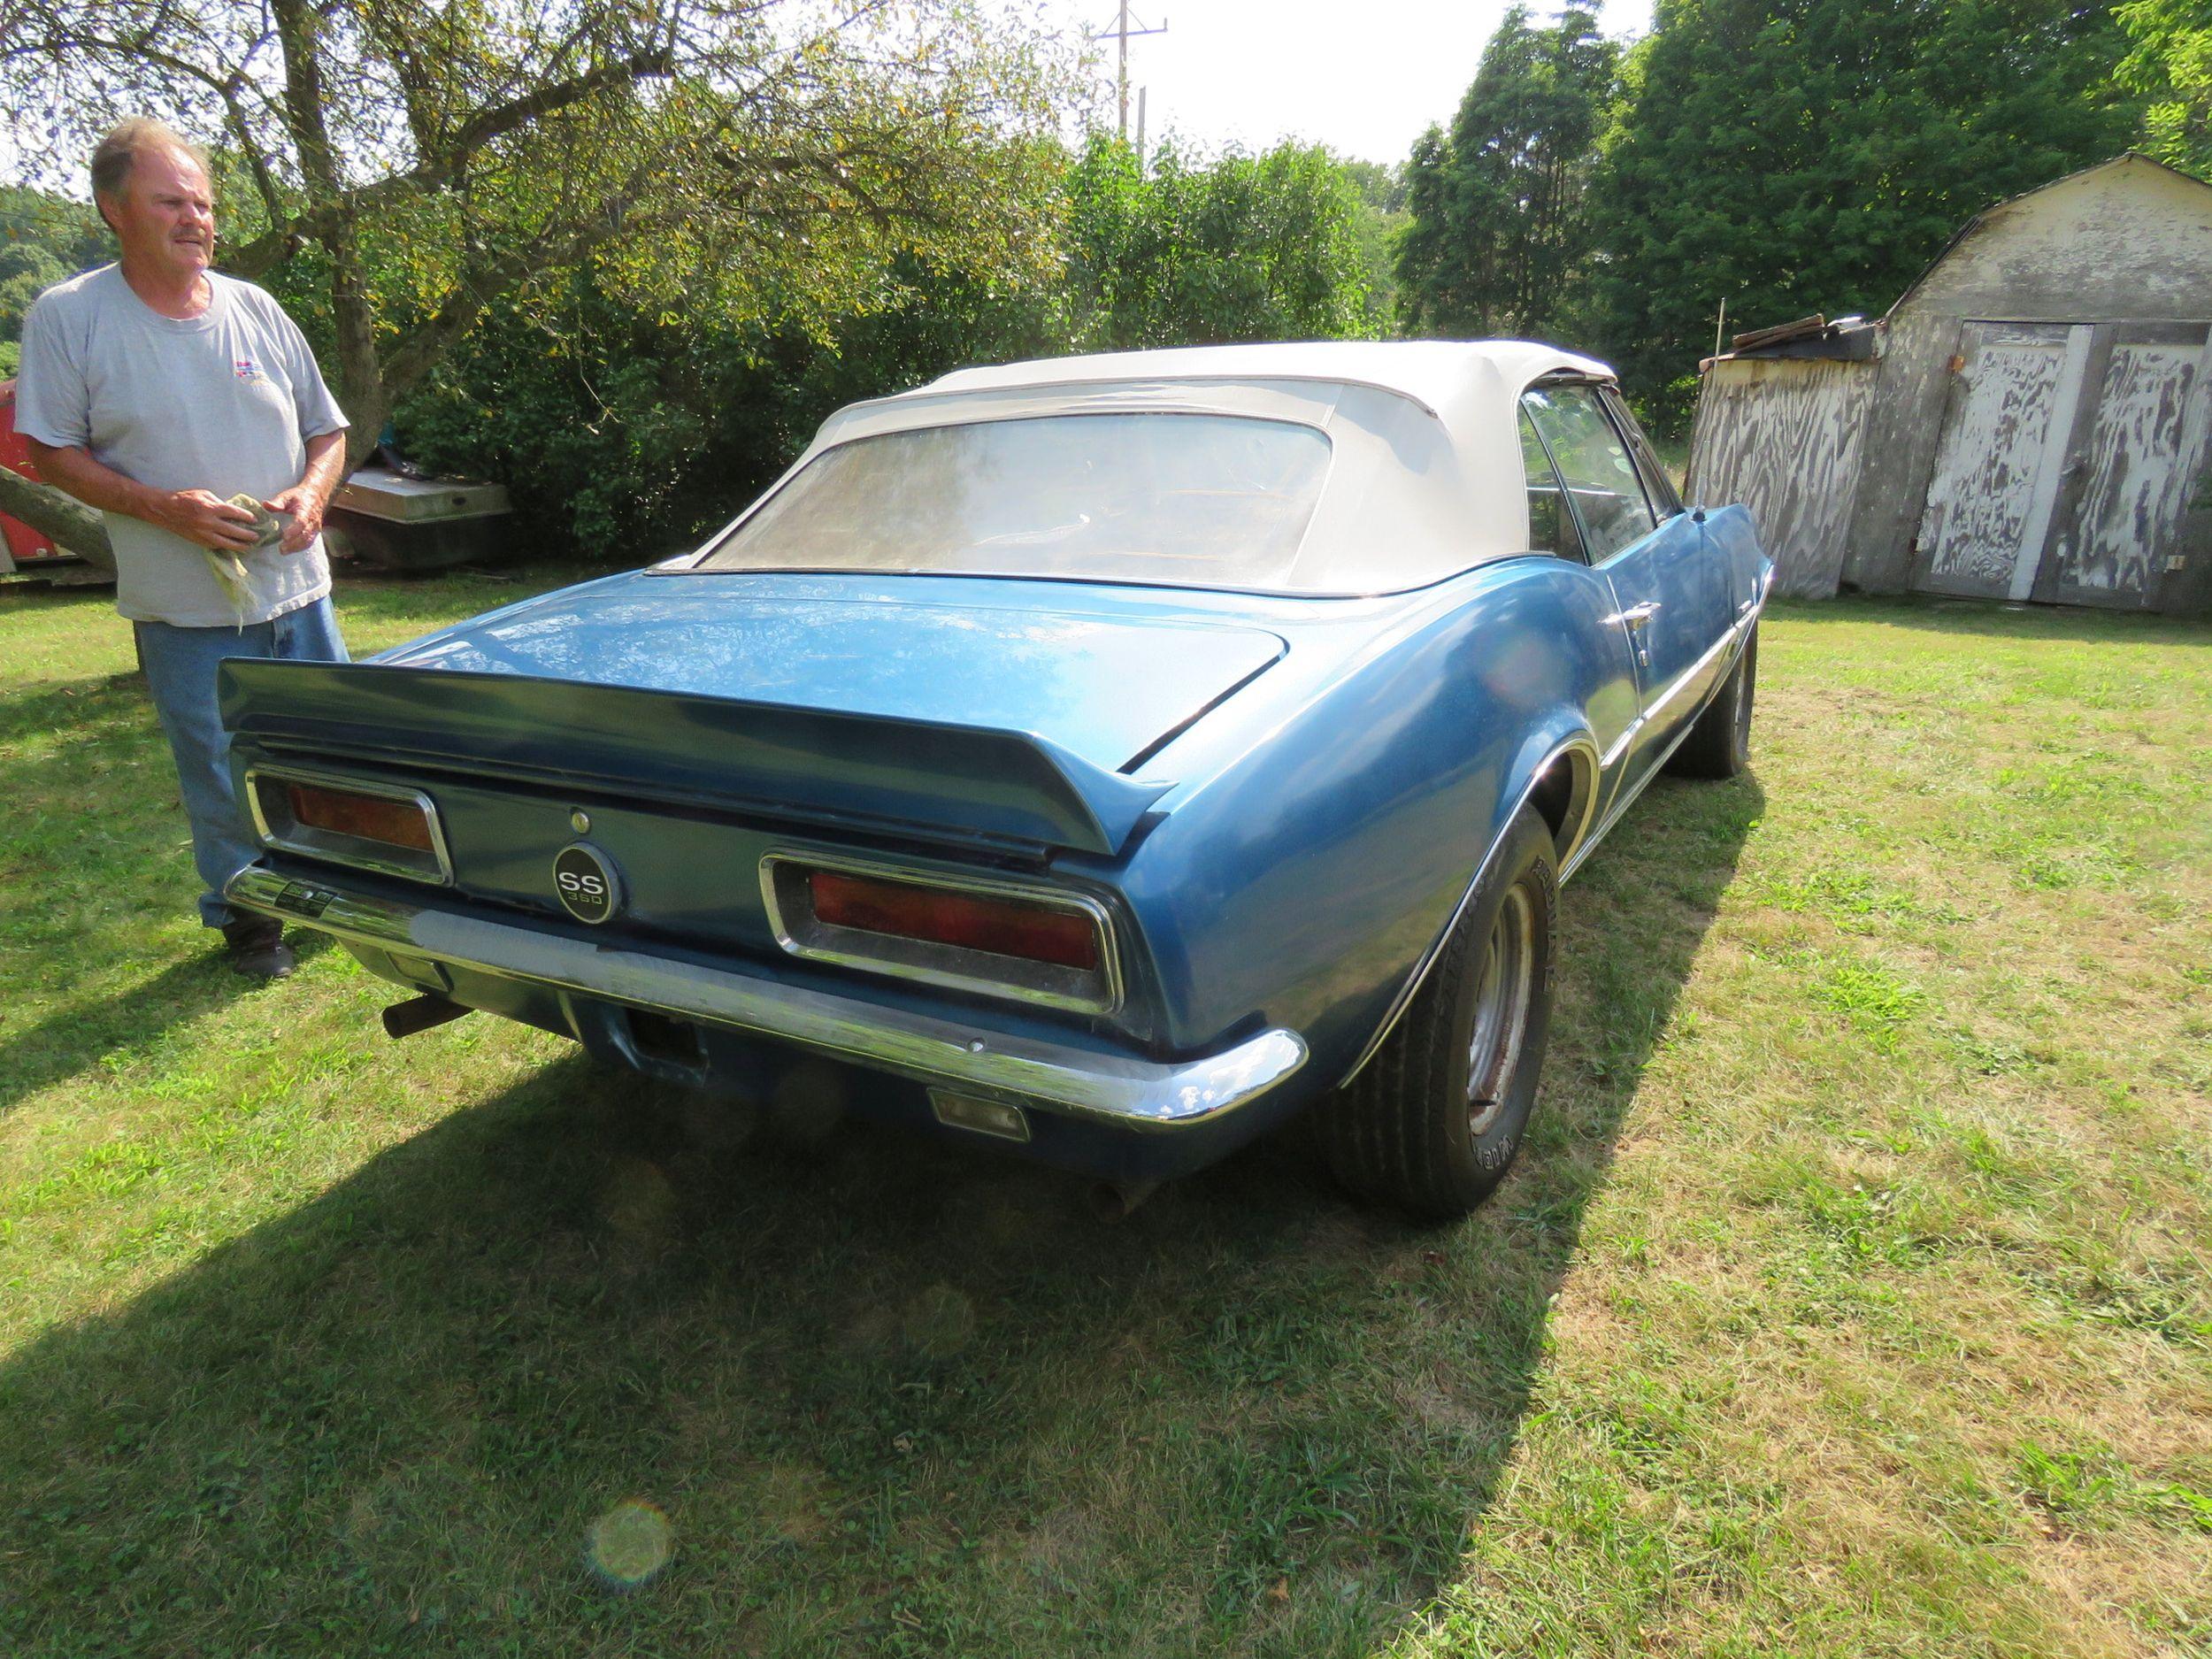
<point>222,401</point>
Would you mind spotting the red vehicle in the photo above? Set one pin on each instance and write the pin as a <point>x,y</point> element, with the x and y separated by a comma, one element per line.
<point>22,548</point>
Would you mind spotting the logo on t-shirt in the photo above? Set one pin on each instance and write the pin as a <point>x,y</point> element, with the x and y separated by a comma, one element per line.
<point>247,369</point>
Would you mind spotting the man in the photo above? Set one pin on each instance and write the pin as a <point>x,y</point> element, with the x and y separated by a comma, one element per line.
<point>156,389</point>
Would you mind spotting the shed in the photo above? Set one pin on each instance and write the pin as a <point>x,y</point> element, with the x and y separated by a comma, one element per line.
<point>2029,422</point>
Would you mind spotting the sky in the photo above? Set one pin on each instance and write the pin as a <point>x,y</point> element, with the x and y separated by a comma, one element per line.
<point>1364,77</point>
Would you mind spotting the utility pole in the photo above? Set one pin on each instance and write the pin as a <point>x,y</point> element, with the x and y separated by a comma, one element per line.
<point>1123,32</point>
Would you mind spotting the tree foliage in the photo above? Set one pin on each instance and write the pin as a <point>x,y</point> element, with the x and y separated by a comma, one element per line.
<point>2170,63</point>
<point>628,431</point>
<point>423,165</point>
<point>27,271</point>
<point>1249,248</point>
<point>1378,223</point>
<point>64,230</point>
<point>1796,154</point>
<point>1499,237</point>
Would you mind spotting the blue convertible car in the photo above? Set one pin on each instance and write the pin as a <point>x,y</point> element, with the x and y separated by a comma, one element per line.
<point>1113,756</point>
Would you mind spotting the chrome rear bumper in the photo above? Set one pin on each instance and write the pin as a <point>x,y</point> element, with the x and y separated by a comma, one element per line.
<point>1135,1094</point>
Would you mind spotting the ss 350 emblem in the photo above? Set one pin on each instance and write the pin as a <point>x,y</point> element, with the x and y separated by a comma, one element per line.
<point>584,881</point>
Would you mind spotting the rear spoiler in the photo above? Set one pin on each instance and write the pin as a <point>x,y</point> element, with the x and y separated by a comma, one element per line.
<point>766,757</point>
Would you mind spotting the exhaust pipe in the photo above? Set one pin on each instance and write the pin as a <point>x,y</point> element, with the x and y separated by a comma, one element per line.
<point>1116,1201</point>
<point>420,1013</point>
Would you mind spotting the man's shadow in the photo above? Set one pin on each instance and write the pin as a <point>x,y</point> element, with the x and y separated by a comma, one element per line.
<point>93,877</point>
<point>889,1396</point>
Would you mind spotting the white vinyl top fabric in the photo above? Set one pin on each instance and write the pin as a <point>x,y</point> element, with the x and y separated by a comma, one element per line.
<point>1425,474</point>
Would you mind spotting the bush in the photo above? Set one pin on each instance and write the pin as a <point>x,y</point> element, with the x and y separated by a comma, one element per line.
<point>626,436</point>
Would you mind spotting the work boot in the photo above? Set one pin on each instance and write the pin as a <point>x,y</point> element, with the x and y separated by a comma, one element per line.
<point>257,949</point>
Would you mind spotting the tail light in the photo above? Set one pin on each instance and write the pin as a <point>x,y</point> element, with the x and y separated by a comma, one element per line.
<point>369,817</point>
<point>1002,938</point>
<point>964,921</point>
<point>383,828</point>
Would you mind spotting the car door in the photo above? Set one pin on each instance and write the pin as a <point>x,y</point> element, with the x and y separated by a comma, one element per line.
<point>1665,589</point>
<point>1613,695</point>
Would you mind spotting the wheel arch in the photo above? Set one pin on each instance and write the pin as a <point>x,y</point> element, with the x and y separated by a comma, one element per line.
<point>1557,773</point>
<point>1564,789</point>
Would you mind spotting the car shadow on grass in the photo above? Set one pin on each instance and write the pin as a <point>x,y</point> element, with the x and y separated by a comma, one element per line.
<point>869,1396</point>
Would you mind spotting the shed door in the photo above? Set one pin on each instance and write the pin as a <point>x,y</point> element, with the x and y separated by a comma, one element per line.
<point>2135,460</point>
<point>2000,460</point>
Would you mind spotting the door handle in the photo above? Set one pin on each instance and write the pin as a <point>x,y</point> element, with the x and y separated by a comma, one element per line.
<point>1640,616</point>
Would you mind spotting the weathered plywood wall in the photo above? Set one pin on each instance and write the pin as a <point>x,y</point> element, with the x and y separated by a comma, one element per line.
<point>2129,240</point>
<point>2145,451</point>
<point>1783,436</point>
<point>1902,429</point>
<point>2001,457</point>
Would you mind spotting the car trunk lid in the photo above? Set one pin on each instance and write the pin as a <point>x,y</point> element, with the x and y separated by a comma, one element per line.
<point>1108,689</point>
<point>956,720</point>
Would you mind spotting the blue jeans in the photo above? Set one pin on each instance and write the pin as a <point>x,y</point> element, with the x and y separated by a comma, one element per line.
<point>180,666</point>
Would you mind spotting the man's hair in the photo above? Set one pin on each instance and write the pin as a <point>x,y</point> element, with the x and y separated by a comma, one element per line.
<point>113,155</point>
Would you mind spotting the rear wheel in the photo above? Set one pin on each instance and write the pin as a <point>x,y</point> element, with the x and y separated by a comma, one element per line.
<point>1433,1121</point>
<point>1719,745</point>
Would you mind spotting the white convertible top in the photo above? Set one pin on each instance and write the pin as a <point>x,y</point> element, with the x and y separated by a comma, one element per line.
<point>1425,474</point>
<point>1459,381</point>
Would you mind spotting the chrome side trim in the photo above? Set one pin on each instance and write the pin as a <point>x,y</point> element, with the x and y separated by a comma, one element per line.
<point>1620,805</point>
<point>1745,616</point>
<point>1740,631</point>
<point>1583,844</point>
<point>953,967</point>
<point>1133,1093</point>
<point>313,844</point>
<point>1414,981</point>
<point>1727,643</point>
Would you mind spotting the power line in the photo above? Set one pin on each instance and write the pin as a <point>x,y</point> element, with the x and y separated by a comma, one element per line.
<point>1122,33</point>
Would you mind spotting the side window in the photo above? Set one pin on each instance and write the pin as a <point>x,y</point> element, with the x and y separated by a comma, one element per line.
<point>1551,527</point>
<point>1601,482</point>
<point>1657,485</point>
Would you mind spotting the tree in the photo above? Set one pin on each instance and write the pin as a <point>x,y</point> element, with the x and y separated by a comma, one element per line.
<point>1378,223</point>
<point>407,169</point>
<point>1244,248</point>
<point>631,435</point>
<point>1792,156</point>
<point>1381,188</point>
<point>43,239</point>
<point>630,432</point>
<point>67,230</point>
<point>27,271</point>
<point>2170,62</point>
<point>1500,236</point>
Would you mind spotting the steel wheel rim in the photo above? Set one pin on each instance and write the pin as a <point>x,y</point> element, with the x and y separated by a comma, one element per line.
<point>1502,994</point>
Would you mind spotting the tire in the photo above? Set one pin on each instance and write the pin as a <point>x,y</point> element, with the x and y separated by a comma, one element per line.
<point>1432,1123</point>
<point>1719,745</point>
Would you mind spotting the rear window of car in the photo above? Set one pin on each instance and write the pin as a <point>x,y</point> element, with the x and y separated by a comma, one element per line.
<point>1203,501</point>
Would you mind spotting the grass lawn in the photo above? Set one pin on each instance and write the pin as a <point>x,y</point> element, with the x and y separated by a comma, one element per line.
<point>1851,1296</point>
